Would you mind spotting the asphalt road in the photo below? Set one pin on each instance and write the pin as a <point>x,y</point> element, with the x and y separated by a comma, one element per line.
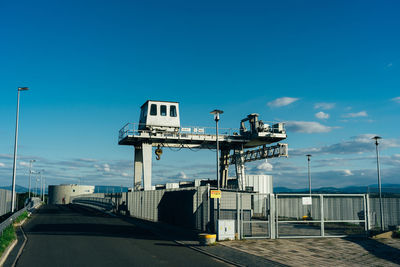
<point>74,236</point>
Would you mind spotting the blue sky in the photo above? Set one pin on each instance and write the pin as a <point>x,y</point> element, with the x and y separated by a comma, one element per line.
<point>329,69</point>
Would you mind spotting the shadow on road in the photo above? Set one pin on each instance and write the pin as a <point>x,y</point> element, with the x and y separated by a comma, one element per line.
<point>378,249</point>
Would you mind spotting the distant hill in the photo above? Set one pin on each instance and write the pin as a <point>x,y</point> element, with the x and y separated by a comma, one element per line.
<point>386,188</point>
<point>18,189</point>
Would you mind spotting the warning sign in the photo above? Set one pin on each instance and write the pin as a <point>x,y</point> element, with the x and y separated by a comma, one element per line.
<point>215,193</point>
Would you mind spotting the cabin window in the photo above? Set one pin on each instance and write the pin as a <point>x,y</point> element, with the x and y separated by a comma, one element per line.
<point>153,110</point>
<point>163,111</point>
<point>172,111</point>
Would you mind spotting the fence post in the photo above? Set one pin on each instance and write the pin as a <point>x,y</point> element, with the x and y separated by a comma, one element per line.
<point>321,197</point>
<point>366,214</point>
<point>368,210</point>
<point>272,210</point>
<point>238,216</point>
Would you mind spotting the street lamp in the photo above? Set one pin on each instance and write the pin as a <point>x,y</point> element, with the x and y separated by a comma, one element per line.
<point>309,172</point>
<point>15,151</point>
<point>42,178</point>
<point>216,113</point>
<point>379,180</point>
<point>30,172</point>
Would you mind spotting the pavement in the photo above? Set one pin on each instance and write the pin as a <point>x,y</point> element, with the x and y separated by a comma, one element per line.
<point>324,251</point>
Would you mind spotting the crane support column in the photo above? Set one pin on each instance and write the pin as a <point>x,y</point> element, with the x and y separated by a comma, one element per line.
<point>224,164</point>
<point>146,154</point>
<point>239,165</point>
<point>138,168</point>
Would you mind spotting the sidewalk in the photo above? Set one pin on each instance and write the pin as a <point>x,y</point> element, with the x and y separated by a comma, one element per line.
<point>324,251</point>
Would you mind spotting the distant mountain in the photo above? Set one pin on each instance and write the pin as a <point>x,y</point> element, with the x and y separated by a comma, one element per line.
<point>18,189</point>
<point>386,188</point>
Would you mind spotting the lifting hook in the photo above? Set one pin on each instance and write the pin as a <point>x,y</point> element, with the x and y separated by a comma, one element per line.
<point>158,152</point>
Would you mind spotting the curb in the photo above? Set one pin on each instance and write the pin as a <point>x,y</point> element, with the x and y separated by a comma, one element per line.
<point>7,251</point>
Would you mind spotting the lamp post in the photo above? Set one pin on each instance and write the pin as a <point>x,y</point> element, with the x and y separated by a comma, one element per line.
<point>15,150</point>
<point>30,172</point>
<point>309,172</point>
<point>379,180</point>
<point>37,180</point>
<point>43,184</point>
<point>216,113</point>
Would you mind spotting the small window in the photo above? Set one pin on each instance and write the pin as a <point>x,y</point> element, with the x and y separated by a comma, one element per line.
<point>172,111</point>
<point>153,110</point>
<point>163,111</point>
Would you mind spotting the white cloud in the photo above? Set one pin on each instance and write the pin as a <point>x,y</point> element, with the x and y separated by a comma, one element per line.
<point>356,145</point>
<point>283,101</point>
<point>182,175</point>
<point>324,105</point>
<point>106,167</point>
<point>356,115</point>
<point>87,160</point>
<point>2,165</point>
<point>389,65</point>
<point>322,115</point>
<point>396,99</point>
<point>124,174</point>
<point>265,166</point>
<point>24,163</point>
<point>347,173</point>
<point>307,127</point>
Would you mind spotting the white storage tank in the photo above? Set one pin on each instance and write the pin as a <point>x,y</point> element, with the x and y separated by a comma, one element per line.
<point>61,194</point>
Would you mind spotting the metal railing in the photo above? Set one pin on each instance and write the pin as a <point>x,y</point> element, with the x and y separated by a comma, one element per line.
<point>132,129</point>
<point>104,203</point>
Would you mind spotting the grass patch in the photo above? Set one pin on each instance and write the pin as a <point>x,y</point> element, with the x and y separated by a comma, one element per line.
<point>21,217</point>
<point>9,235</point>
<point>6,238</point>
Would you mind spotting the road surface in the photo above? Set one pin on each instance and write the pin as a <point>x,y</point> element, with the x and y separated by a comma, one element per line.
<point>74,236</point>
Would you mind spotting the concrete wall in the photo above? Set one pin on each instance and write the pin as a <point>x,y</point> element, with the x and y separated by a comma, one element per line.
<point>5,201</point>
<point>61,194</point>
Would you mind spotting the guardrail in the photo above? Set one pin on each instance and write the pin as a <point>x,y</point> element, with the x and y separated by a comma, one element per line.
<point>31,205</point>
<point>103,203</point>
<point>133,129</point>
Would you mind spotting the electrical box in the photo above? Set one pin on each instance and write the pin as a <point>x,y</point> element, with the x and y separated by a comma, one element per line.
<point>226,230</point>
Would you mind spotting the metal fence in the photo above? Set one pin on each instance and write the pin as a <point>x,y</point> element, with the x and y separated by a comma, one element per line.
<point>255,215</point>
<point>391,211</point>
<point>5,201</point>
<point>329,215</point>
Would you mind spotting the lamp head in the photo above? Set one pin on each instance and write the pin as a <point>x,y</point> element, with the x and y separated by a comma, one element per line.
<point>23,88</point>
<point>216,113</point>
